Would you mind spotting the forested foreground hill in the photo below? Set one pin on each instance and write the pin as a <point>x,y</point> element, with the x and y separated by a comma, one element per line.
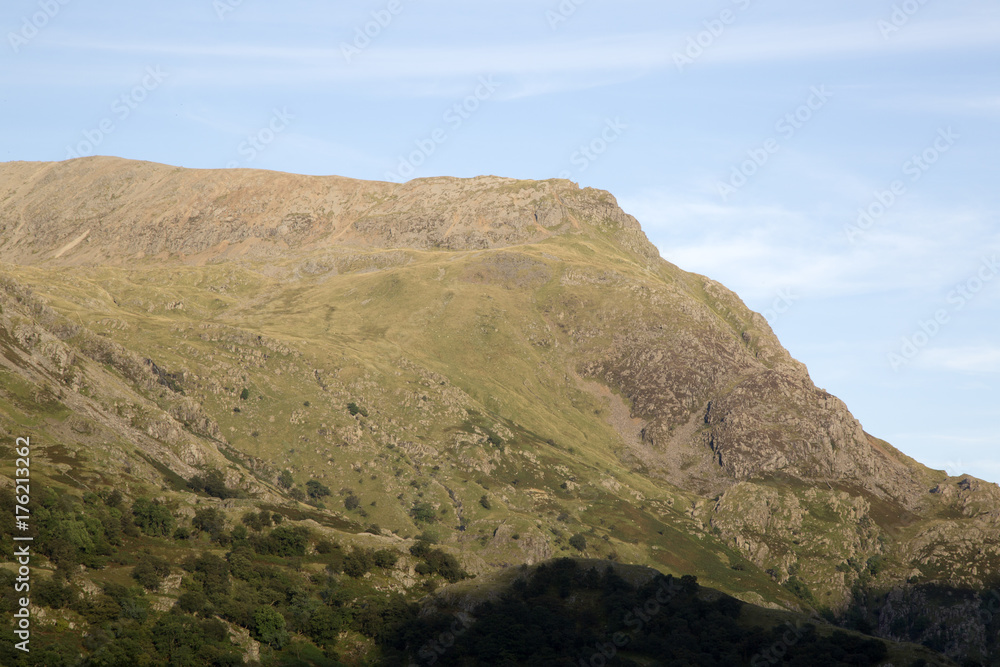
<point>269,413</point>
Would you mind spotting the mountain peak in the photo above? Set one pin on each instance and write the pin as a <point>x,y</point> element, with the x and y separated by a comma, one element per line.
<point>102,210</point>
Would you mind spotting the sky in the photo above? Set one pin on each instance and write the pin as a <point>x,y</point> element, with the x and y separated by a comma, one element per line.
<point>833,162</point>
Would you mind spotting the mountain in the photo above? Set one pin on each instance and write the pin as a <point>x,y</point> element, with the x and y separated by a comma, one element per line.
<point>507,367</point>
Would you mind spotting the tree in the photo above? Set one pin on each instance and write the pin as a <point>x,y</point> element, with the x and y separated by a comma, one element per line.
<point>578,542</point>
<point>385,558</point>
<point>269,627</point>
<point>352,502</point>
<point>316,489</point>
<point>358,563</point>
<point>283,541</point>
<point>245,394</point>
<point>285,480</point>
<point>212,573</point>
<point>485,502</point>
<point>210,520</point>
<point>152,517</point>
<point>150,571</point>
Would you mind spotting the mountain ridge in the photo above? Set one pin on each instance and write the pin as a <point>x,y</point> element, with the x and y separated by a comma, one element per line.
<point>514,341</point>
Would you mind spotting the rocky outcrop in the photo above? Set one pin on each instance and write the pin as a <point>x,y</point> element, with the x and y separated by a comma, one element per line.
<point>110,211</point>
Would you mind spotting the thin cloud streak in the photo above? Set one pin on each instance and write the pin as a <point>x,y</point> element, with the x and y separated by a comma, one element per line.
<point>643,52</point>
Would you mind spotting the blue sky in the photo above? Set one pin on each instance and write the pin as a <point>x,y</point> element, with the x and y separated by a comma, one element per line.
<point>747,136</point>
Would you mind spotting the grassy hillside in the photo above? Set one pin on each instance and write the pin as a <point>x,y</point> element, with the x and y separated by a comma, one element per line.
<point>415,406</point>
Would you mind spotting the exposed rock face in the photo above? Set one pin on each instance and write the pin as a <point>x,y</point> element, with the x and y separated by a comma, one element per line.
<point>110,211</point>
<point>774,422</point>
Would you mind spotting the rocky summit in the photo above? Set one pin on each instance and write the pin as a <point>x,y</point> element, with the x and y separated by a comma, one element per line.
<point>493,371</point>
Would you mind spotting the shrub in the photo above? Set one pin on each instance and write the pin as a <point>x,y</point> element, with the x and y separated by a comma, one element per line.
<point>245,394</point>
<point>209,520</point>
<point>423,513</point>
<point>578,542</point>
<point>150,571</point>
<point>385,558</point>
<point>354,409</point>
<point>358,563</point>
<point>152,517</point>
<point>193,602</point>
<point>52,593</point>
<point>440,562</point>
<point>799,589</point>
<point>352,502</point>
<point>316,490</point>
<point>212,573</point>
<point>285,541</point>
<point>485,502</point>
<point>285,480</point>
<point>214,484</point>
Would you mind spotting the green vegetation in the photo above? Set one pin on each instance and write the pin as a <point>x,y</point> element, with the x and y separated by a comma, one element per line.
<point>665,621</point>
<point>435,377</point>
<point>214,484</point>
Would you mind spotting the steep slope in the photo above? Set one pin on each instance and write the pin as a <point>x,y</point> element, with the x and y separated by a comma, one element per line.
<point>519,363</point>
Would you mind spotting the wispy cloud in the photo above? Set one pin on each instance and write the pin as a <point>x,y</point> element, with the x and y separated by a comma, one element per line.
<point>758,249</point>
<point>975,360</point>
<point>632,54</point>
